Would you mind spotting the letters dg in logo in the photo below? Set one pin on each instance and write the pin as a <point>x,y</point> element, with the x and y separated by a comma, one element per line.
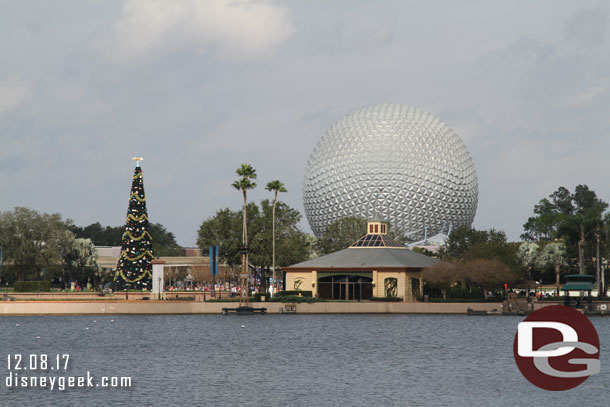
<point>556,348</point>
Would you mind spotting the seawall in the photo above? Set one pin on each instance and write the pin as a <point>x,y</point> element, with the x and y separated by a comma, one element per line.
<point>103,307</point>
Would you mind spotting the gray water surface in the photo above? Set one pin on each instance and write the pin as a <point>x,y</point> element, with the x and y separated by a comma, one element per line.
<point>289,360</point>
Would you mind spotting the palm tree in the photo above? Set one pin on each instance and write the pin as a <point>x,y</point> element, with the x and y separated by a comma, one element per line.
<point>275,186</point>
<point>579,229</point>
<point>247,174</point>
<point>597,261</point>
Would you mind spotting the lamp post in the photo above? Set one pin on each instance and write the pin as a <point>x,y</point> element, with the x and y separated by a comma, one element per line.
<point>244,278</point>
<point>602,282</point>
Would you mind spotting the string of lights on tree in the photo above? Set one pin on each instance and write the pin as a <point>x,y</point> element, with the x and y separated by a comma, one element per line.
<point>134,271</point>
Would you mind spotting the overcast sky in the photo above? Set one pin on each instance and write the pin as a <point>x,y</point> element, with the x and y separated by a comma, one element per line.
<point>198,87</point>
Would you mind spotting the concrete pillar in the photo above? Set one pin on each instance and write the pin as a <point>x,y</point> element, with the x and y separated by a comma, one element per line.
<point>314,283</point>
<point>289,281</point>
<point>421,286</point>
<point>375,284</point>
<point>157,279</point>
<point>408,288</point>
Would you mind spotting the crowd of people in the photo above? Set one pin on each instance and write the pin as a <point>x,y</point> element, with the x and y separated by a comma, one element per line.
<point>233,288</point>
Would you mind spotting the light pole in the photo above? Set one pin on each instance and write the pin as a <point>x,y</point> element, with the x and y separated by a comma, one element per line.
<point>602,282</point>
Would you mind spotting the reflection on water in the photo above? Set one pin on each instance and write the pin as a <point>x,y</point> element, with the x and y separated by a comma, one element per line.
<point>290,360</point>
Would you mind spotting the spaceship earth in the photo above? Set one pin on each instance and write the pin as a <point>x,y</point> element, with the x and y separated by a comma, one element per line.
<point>393,162</point>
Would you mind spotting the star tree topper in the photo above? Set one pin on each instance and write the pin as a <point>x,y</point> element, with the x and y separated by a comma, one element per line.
<point>137,159</point>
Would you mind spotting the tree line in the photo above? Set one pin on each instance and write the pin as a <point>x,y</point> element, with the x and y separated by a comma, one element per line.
<point>225,230</point>
<point>39,246</point>
<point>164,241</point>
<point>568,233</point>
<point>42,246</point>
<point>474,263</point>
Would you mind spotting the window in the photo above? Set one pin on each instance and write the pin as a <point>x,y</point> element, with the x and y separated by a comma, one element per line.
<point>346,287</point>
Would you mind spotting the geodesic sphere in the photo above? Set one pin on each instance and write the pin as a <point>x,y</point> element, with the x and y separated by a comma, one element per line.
<point>394,162</point>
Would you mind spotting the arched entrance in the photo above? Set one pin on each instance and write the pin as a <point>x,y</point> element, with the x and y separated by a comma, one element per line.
<point>345,287</point>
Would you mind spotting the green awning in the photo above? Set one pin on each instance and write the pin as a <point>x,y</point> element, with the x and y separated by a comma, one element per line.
<point>577,286</point>
<point>579,277</point>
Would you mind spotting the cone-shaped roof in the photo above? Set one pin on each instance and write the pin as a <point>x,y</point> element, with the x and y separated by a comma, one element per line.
<point>376,240</point>
<point>377,236</point>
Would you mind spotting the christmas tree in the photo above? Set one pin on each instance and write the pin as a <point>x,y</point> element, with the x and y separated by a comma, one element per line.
<point>134,270</point>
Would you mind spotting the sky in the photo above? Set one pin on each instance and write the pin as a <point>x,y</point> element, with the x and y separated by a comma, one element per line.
<point>199,87</point>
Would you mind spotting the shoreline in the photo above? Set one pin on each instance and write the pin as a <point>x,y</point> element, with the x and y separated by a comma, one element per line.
<point>57,307</point>
<point>182,307</point>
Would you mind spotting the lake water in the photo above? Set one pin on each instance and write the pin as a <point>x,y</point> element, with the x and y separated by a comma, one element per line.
<point>288,360</point>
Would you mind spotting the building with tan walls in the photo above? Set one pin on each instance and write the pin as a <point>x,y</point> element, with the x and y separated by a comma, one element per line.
<point>191,264</point>
<point>374,266</point>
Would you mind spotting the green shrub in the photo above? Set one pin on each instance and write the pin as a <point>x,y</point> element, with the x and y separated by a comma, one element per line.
<point>32,286</point>
<point>294,298</point>
<point>175,297</point>
<point>285,298</point>
<point>234,299</point>
<point>562,298</point>
<point>465,300</point>
<point>294,293</point>
<point>459,292</point>
<point>388,299</point>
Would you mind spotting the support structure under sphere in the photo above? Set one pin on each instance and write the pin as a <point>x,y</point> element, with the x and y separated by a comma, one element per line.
<point>394,162</point>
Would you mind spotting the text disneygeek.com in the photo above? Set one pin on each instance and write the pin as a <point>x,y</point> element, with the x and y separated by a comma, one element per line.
<point>18,366</point>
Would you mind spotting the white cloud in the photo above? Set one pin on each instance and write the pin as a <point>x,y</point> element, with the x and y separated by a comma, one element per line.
<point>238,29</point>
<point>588,96</point>
<point>13,92</point>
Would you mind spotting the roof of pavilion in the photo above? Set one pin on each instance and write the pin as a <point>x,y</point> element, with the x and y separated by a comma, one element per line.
<point>376,240</point>
<point>367,258</point>
<point>577,286</point>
